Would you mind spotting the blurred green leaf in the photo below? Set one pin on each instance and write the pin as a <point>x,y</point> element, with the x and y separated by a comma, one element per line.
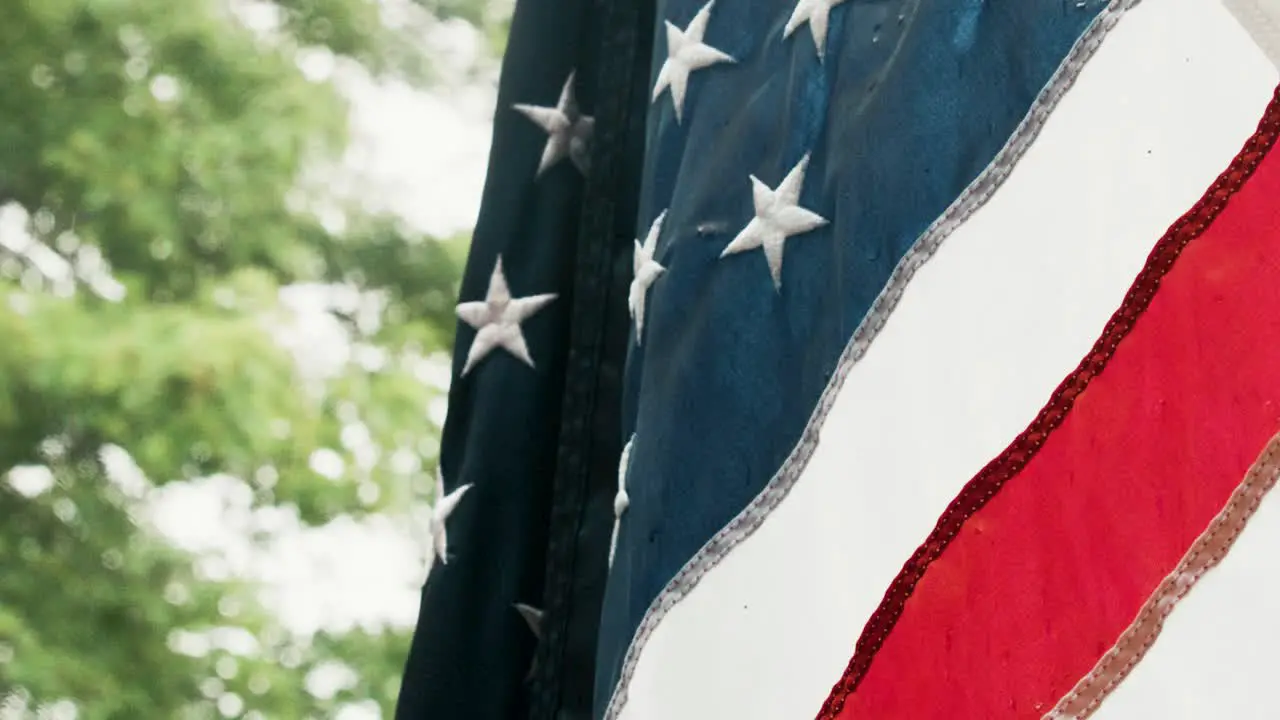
<point>159,157</point>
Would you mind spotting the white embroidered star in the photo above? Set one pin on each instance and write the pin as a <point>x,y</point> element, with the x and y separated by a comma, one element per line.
<point>497,319</point>
<point>533,618</point>
<point>685,53</point>
<point>645,270</point>
<point>777,217</point>
<point>569,132</point>
<point>816,13</point>
<point>621,500</point>
<point>444,506</point>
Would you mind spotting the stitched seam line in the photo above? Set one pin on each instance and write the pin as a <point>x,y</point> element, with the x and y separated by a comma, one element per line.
<point>970,200</point>
<point>1205,554</point>
<point>979,491</point>
<point>591,289</point>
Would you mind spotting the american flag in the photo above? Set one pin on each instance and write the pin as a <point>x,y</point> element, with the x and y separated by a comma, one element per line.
<point>887,359</point>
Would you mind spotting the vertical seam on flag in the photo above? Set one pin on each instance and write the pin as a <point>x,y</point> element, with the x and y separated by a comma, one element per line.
<point>969,201</point>
<point>1205,554</point>
<point>591,290</point>
<point>988,482</point>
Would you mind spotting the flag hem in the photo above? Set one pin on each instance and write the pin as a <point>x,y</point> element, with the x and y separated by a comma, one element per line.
<point>1208,550</point>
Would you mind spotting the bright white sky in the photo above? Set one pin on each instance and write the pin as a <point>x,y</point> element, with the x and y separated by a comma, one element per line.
<point>425,153</point>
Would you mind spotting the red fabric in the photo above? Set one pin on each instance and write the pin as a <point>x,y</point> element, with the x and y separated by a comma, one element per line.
<point>1049,554</point>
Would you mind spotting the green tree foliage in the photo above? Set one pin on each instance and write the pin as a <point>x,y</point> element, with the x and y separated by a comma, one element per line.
<point>169,163</point>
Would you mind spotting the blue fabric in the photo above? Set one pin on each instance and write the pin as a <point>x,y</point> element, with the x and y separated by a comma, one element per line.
<point>914,99</point>
<point>472,652</point>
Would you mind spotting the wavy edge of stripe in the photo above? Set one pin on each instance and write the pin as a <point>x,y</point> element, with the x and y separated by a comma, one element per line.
<point>1205,554</point>
<point>972,198</point>
<point>987,483</point>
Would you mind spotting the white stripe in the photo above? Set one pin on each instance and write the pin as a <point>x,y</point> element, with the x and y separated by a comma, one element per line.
<point>1220,648</point>
<point>1006,309</point>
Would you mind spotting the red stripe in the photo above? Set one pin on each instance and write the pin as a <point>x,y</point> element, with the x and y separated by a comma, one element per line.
<point>1113,484</point>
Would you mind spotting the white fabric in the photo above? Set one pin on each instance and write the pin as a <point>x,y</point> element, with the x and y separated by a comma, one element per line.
<point>686,53</point>
<point>1006,309</point>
